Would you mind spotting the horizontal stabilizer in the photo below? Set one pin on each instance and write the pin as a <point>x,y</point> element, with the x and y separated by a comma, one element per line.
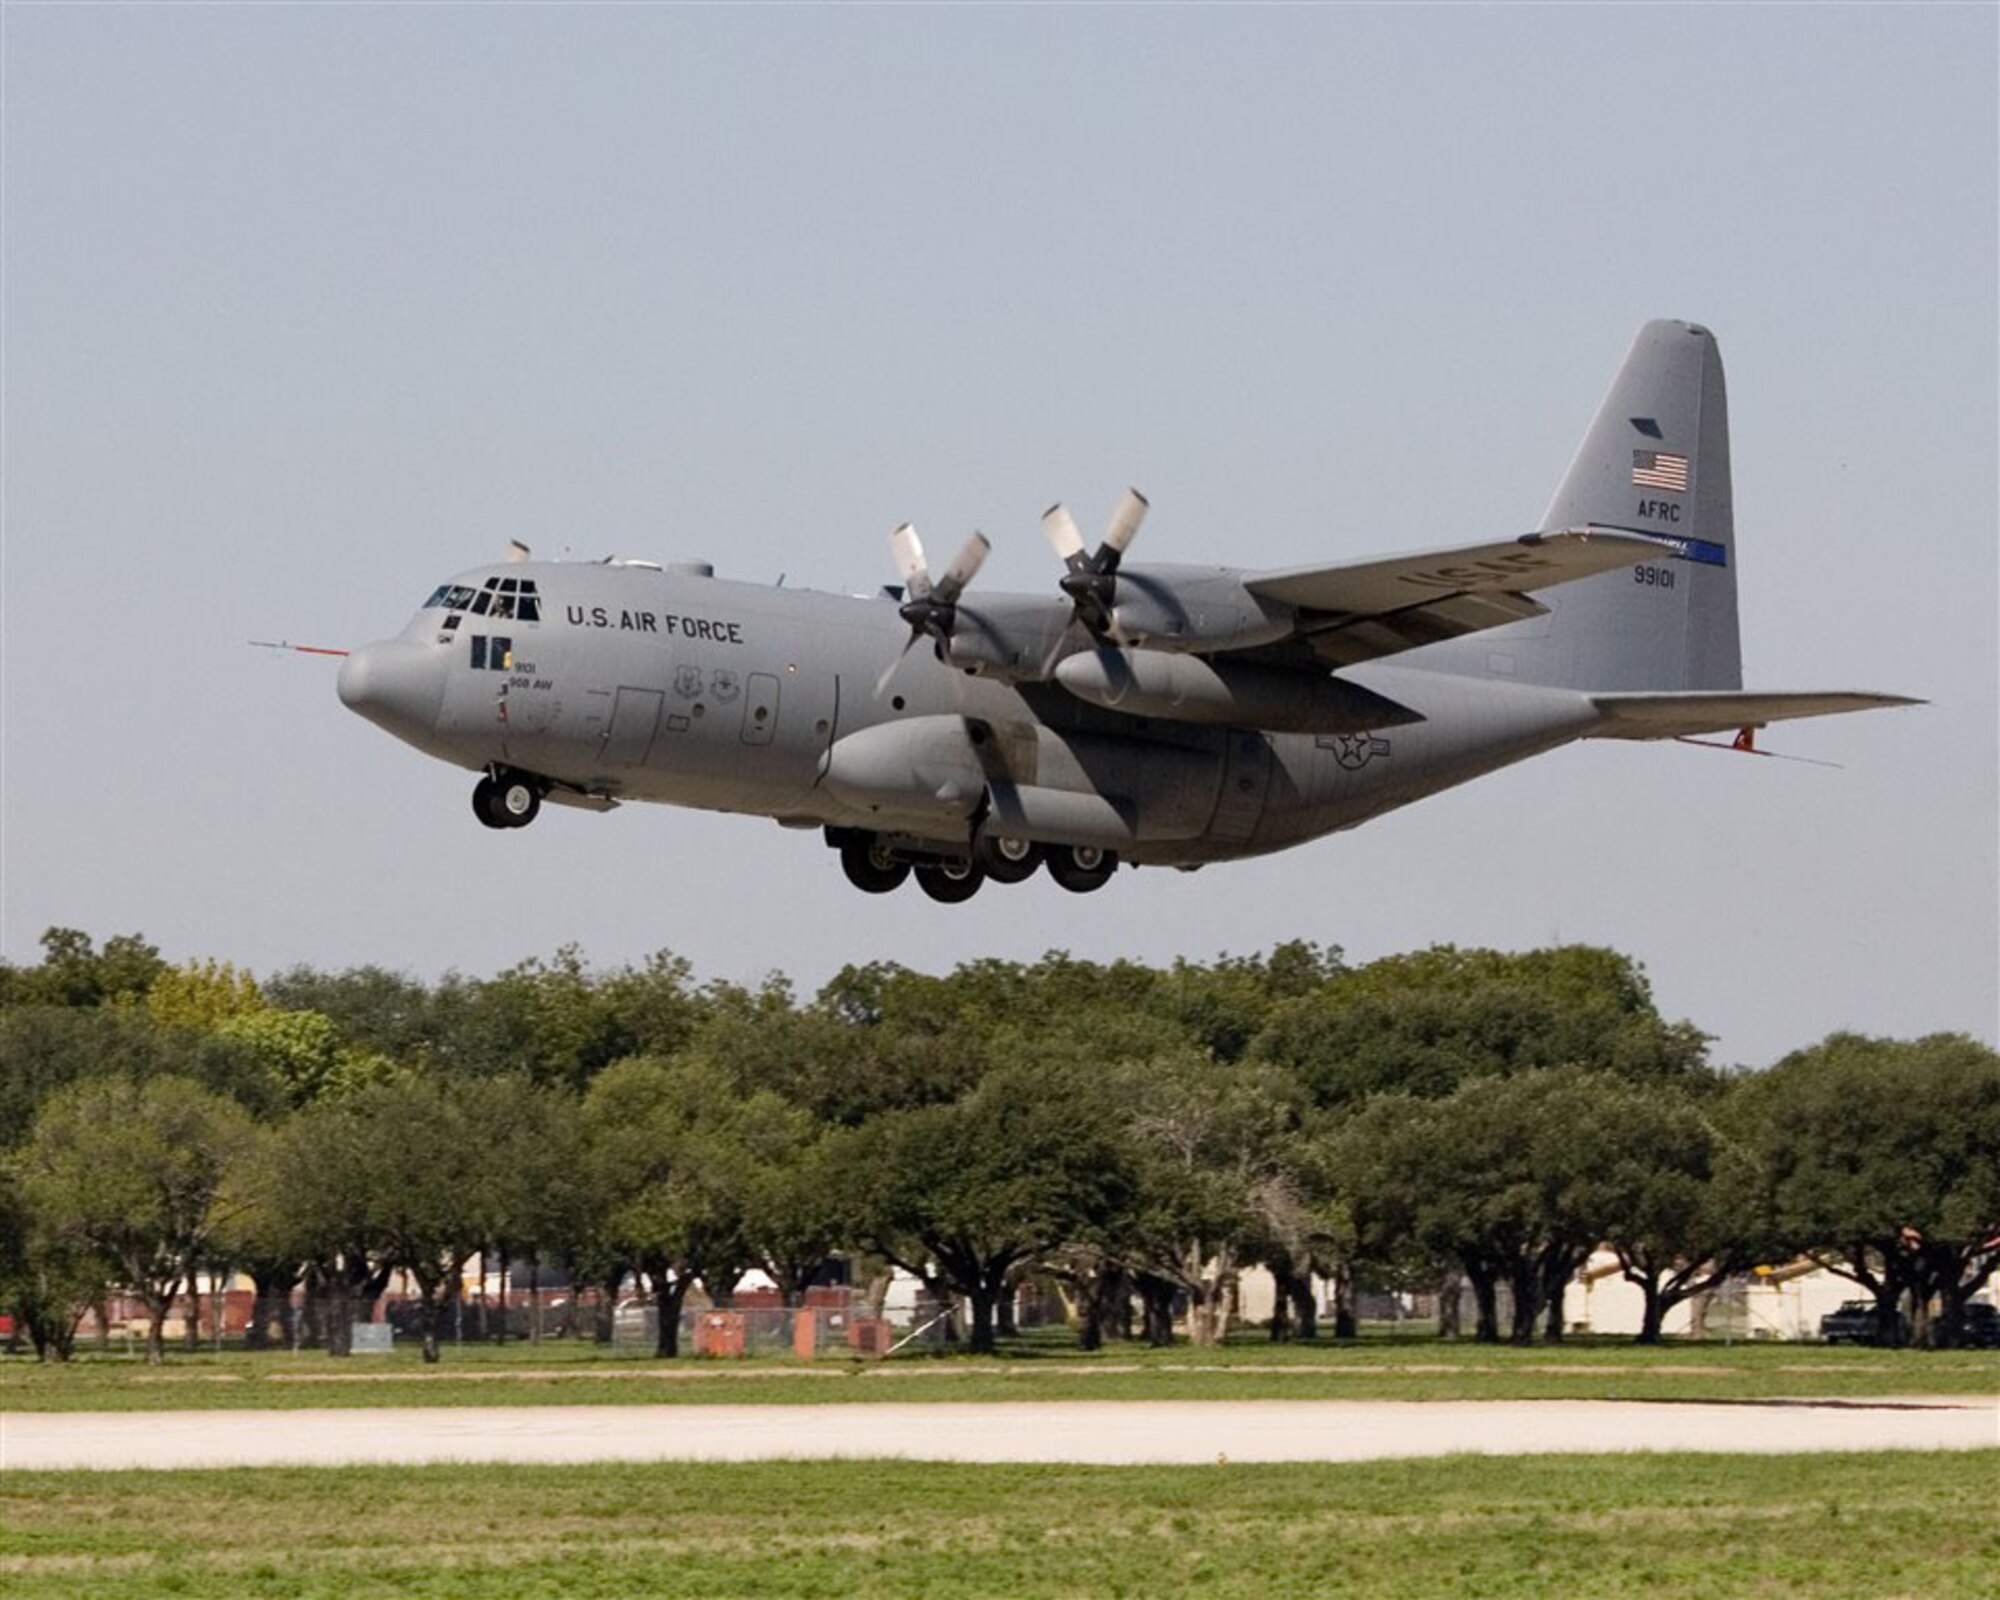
<point>1680,716</point>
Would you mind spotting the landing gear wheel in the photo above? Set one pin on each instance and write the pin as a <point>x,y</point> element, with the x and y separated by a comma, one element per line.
<point>1080,868</point>
<point>870,868</point>
<point>484,806</point>
<point>950,882</point>
<point>511,801</point>
<point>517,800</point>
<point>1006,860</point>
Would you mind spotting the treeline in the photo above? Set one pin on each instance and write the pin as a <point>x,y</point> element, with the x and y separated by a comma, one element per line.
<point>1136,1135</point>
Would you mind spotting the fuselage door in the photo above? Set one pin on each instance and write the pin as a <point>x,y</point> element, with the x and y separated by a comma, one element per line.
<point>1246,783</point>
<point>635,716</point>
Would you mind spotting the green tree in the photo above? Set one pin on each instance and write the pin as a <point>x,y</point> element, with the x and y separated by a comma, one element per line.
<point>305,1193</point>
<point>47,1282</point>
<point>202,994</point>
<point>1426,1022</point>
<point>75,973</point>
<point>967,1192</point>
<point>1220,1170</point>
<point>1883,1160</point>
<point>131,1169</point>
<point>428,1206</point>
<point>1683,1204</point>
<point>45,1048</point>
<point>1509,1177</point>
<point>662,1142</point>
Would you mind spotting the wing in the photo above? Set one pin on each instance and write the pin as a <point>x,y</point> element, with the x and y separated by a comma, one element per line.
<point>1364,609</point>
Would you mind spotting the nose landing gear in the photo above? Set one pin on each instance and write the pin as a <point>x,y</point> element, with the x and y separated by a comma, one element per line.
<point>506,800</point>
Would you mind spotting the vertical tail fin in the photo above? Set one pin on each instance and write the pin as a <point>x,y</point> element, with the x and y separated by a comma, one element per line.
<point>1655,460</point>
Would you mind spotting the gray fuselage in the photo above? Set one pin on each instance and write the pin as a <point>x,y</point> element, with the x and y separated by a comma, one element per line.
<point>641,683</point>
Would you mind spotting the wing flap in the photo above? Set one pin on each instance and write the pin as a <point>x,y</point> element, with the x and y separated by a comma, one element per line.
<point>1687,715</point>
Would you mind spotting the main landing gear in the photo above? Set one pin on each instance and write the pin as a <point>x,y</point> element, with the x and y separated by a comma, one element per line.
<point>506,799</point>
<point>875,866</point>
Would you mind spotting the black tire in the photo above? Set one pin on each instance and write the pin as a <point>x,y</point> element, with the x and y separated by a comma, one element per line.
<point>1082,868</point>
<point>950,883</point>
<point>516,801</point>
<point>869,868</point>
<point>485,805</point>
<point>1006,860</point>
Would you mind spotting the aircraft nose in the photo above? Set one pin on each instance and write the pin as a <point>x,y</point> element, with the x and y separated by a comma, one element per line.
<point>397,685</point>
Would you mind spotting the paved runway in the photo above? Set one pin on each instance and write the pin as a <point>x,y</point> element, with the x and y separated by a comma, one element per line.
<point>1105,1432</point>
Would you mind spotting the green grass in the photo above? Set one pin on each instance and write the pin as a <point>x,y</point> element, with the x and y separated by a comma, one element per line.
<point>1397,1367</point>
<point>1851,1526</point>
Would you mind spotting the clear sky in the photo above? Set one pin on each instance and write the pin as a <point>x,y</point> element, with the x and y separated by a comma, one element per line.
<point>306,308</point>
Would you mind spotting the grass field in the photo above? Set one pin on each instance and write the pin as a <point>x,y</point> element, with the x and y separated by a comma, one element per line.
<point>1374,1367</point>
<point>1851,1526</point>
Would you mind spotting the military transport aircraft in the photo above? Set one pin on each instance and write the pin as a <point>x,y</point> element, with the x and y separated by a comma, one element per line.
<point>1144,714</point>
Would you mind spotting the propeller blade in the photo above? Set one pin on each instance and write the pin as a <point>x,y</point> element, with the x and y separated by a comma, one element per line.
<point>1048,666</point>
<point>1125,521</point>
<point>909,553</point>
<point>964,567</point>
<point>888,672</point>
<point>1060,526</point>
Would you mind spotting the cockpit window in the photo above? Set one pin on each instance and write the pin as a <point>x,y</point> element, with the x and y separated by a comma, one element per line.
<point>508,597</point>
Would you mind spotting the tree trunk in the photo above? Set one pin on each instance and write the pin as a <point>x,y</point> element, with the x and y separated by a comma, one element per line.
<point>1341,1280</point>
<point>669,1291</point>
<point>1486,1305</point>
<point>1889,1310</point>
<point>982,1299</point>
<point>499,1330</point>
<point>1447,1300</point>
<point>1089,1315</point>
<point>339,1314</point>
<point>604,1323</point>
<point>1282,1279</point>
<point>1156,1297</point>
<point>1653,1316</point>
<point>1525,1280</point>
<point>430,1304</point>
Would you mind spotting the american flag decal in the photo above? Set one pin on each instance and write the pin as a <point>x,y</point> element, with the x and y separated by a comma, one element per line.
<point>1660,469</point>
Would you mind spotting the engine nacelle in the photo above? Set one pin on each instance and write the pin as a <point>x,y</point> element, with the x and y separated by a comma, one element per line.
<point>925,768</point>
<point>1179,608</point>
<point>1181,688</point>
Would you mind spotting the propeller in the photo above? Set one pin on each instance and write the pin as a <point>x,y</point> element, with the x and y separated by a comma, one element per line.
<point>1091,578</point>
<point>930,608</point>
